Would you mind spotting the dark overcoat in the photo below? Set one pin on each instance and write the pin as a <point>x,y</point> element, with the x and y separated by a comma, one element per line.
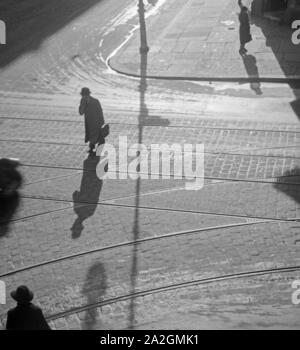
<point>93,120</point>
<point>26,317</point>
<point>245,34</point>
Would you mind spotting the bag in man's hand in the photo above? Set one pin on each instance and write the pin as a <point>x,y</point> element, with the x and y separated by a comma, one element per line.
<point>105,130</point>
<point>249,38</point>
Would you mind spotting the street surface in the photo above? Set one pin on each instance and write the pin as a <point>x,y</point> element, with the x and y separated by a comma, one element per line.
<point>125,254</point>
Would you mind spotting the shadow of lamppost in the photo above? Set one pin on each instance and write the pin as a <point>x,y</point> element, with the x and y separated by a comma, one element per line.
<point>143,115</point>
<point>144,48</point>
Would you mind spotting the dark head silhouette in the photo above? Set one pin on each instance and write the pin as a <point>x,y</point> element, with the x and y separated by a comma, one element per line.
<point>26,315</point>
<point>85,91</point>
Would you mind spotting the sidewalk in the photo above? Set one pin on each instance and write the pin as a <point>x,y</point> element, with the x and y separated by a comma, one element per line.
<point>199,39</point>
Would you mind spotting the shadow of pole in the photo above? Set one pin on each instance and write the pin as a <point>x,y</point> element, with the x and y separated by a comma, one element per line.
<point>143,115</point>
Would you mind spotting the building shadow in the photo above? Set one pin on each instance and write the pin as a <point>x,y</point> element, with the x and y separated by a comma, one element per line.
<point>94,290</point>
<point>86,200</point>
<point>8,208</point>
<point>30,22</point>
<point>289,183</point>
<point>250,64</point>
<point>296,107</point>
<point>277,34</point>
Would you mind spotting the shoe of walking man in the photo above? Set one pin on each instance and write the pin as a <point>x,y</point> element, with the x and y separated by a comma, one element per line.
<point>26,315</point>
<point>91,108</point>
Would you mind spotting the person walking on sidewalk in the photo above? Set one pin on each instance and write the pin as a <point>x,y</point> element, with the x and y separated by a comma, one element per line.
<point>25,316</point>
<point>94,119</point>
<point>245,34</point>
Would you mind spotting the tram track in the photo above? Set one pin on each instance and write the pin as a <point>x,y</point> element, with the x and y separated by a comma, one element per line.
<point>118,198</point>
<point>205,152</point>
<point>215,181</point>
<point>175,286</point>
<point>77,171</point>
<point>161,209</point>
<point>175,126</point>
<point>129,244</point>
<point>211,178</point>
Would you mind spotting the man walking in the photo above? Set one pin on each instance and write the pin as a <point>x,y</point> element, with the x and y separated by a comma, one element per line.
<point>94,119</point>
<point>245,34</point>
<point>25,316</point>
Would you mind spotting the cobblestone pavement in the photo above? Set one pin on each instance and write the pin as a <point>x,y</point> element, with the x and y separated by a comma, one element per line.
<point>201,40</point>
<point>246,218</point>
<point>121,254</point>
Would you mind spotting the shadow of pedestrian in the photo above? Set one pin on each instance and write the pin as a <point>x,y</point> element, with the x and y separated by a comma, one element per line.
<point>86,200</point>
<point>289,183</point>
<point>8,208</point>
<point>94,290</point>
<point>252,71</point>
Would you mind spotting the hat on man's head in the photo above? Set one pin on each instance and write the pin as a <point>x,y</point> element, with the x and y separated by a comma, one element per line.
<point>22,295</point>
<point>85,91</point>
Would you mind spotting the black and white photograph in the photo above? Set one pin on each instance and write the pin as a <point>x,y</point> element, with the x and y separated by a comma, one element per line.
<point>149,167</point>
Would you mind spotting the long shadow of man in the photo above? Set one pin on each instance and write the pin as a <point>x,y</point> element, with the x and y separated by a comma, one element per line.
<point>94,289</point>
<point>86,200</point>
<point>250,64</point>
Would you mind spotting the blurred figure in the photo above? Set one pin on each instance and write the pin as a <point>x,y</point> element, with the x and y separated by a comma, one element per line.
<point>94,119</point>
<point>25,316</point>
<point>245,34</point>
<point>10,182</point>
<point>10,178</point>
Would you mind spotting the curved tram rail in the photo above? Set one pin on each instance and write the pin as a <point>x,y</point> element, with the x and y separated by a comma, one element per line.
<point>168,288</point>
